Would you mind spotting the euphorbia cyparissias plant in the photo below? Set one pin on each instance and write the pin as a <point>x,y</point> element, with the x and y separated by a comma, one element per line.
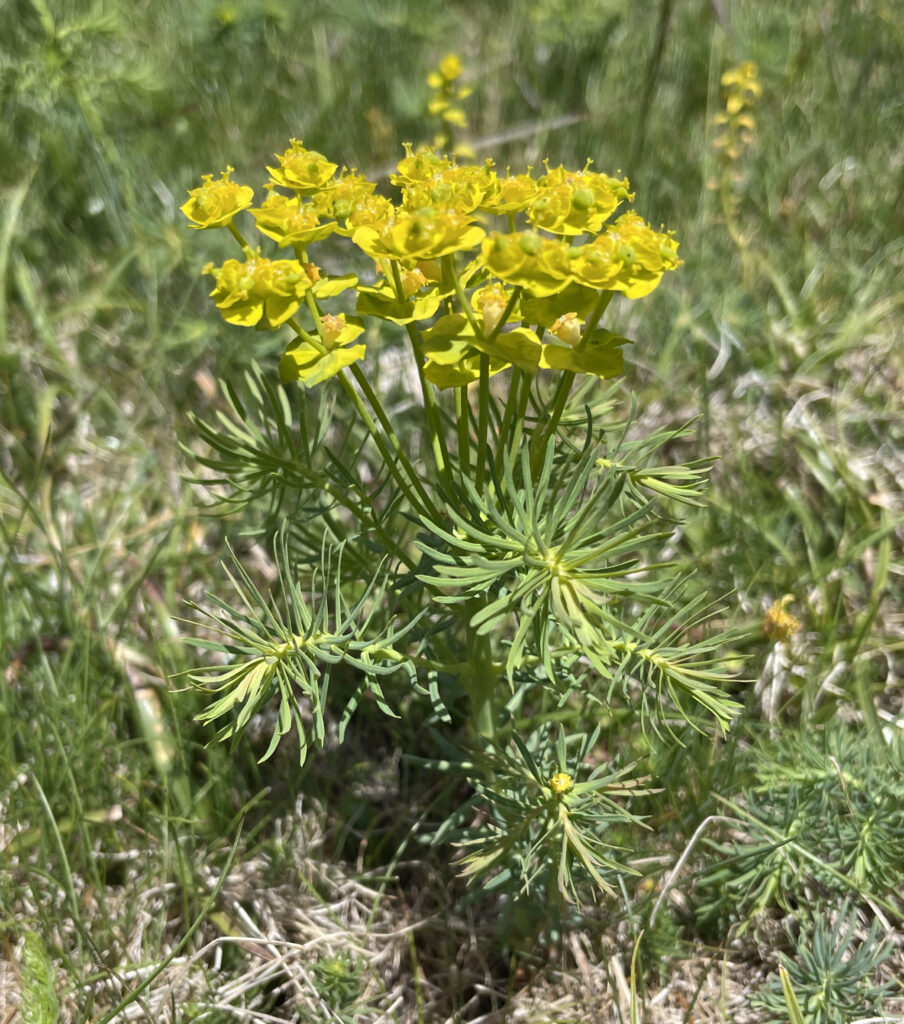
<point>499,557</point>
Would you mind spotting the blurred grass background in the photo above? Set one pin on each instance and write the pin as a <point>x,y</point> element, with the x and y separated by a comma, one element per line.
<point>781,339</point>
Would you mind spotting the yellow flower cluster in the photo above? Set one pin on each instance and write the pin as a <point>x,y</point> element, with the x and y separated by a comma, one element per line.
<point>289,221</point>
<point>736,124</point>
<point>258,290</point>
<point>422,235</point>
<point>302,170</point>
<point>629,257</point>
<point>445,102</point>
<point>524,295</point>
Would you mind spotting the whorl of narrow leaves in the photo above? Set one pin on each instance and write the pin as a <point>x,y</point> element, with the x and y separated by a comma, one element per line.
<point>288,653</point>
<point>558,558</point>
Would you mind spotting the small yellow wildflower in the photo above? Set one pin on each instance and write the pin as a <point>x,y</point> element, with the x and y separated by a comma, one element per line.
<point>258,290</point>
<point>340,196</point>
<point>302,170</point>
<point>511,194</point>
<point>335,330</point>
<point>736,126</point>
<point>644,254</point>
<point>596,264</point>
<point>451,188</point>
<point>446,99</point>
<point>449,69</point>
<point>778,623</point>
<point>368,210</point>
<point>423,165</point>
<point>742,85</point>
<point>572,202</point>
<point>560,783</point>
<point>215,203</point>
<point>542,265</point>
<point>289,221</point>
<point>310,365</point>
<point>413,281</point>
<point>427,234</point>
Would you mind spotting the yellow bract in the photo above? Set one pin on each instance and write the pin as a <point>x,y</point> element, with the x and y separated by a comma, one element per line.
<point>510,195</point>
<point>542,265</point>
<point>645,255</point>
<point>341,197</point>
<point>451,188</point>
<point>215,203</point>
<point>423,165</point>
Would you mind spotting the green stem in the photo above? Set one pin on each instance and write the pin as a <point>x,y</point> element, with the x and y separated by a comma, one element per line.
<point>413,488</point>
<point>463,425</point>
<point>237,235</point>
<point>481,683</point>
<point>511,405</point>
<point>398,453</point>
<point>464,305</point>
<point>431,406</point>
<point>393,453</point>
<point>542,436</point>
<point>483,418</point>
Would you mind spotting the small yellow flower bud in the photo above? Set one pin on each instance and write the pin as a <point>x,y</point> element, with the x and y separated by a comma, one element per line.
<point>492,314</point>
<point>567,328</point>
<point>331,327</point>
<point>412,281</point>
<point>450,67</point>
<point>431,269</point>
<point>560,783</point>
